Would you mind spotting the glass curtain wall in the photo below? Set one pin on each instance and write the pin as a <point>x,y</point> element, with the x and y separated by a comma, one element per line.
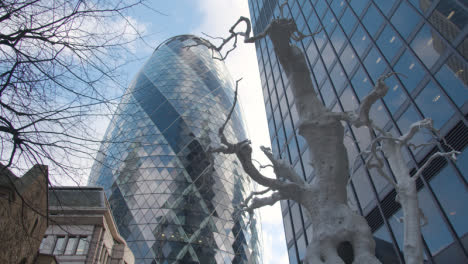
<point>174,202</point>
<point>426,40</point>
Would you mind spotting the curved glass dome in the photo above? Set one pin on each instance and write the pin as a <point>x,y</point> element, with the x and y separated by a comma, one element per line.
<point>171,205</point>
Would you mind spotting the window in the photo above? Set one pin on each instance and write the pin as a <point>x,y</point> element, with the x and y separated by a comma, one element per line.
<point>385,5</point>
<point>292,255</point>
<point>452,196</point>
<point>453,76</point>
<point>348,58</point>
<point>319,72</point>
<point>338,39</point>
<point>408,65</point>
<point>71,245</point>
<point>361,84</point>
<point>427,47</point>
<point>327,93</point>
<point>375,64</point>
<point>435,232</point>
<point>360,40</point>
<point>405,19</point>
<point>389,43</point>
<point>363,187</point>
<point>296,216</point>
<point>82,248</point>
<point>395,95</point>
<point>59,246</point>
<point>358,5</point>
<point>338,77</point>
<point>433,104</point>
<point>450,14</point>
<point>372,20</point>
<point>328,55</point>
<point>301,246</point>
<point>348,20</point>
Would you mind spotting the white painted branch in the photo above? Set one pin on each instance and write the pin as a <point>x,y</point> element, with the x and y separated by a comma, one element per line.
<point>282,168</point>
<point>263,201</point>
<point>452,155</point>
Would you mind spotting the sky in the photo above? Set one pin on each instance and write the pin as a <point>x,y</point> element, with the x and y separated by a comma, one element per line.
<point>215,17</point>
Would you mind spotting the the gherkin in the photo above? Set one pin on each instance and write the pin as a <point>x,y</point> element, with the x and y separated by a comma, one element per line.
<point>171,205</point>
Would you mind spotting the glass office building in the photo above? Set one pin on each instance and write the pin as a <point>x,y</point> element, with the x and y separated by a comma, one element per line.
<point>172,201</point>
<point>426,40</point>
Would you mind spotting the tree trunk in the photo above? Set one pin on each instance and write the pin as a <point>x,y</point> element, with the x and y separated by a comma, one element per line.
<point>408,198</point>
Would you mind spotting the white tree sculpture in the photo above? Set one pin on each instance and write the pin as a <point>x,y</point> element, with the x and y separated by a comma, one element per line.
<point>325,199</point>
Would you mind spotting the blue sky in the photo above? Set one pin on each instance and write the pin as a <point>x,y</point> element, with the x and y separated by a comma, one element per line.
<point>215,17</point>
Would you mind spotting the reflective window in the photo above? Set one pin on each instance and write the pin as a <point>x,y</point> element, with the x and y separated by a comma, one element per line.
<point>378,114</point>
<point>380,182</point>
<point>338,39</point>
<point>395,95</point>
<point>327,93</point>
<point>292,255</point>
<point>389,43</point>
<point>375,64</point>
<point>348,58</point>
<point>301,246</point>
<point>462,163</point>
<point>453,76</point>
<point>450,17</point>
<point>348,100</point>
<point>358,5</point>
<point>287,228</point>
<point>328,55</point>
<point>405,19</point>
<point>312,53</point>
<point>296,217</point>
<point>452,196</point>
<point>385,5</point>
<point>320,39</point>
<point>384,244</point>
<point>329,21</point>
<point>362,187</point>
<point>348,20</point>
<point>413,71</point>
<point>427,47</point>
<point>319,72</point>
<point>361,84</point>
<point>59,246</point>
<point>71,244</point>
<point>435,232</point>
<point>338,77</point>
<point>434,105</point>
<point>320,8</point>
<point>360,40</point>
<point>372,20</point>
<point>337,6</point>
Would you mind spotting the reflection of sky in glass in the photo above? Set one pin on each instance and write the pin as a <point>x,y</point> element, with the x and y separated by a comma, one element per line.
<point>408,65</point>
<point>435,233</point>
<point>433,104</point>
<point>450,77</point>
<point>389,42</point>
<point>374,64</point>
<point>405,19</point>
<point>348,20</point>
<point>385,5</point>
<point>361,84</point>
<point>453,197</point>
<point>426,47</point>
<point>395,96</point>
<point>372,20</point>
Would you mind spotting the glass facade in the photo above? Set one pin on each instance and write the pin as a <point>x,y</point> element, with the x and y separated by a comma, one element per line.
<point>172,201</point>
<point>426,40</point>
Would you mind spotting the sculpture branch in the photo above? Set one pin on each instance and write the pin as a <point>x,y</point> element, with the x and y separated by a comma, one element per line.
<point>264,201</point>
<point>451,155</point>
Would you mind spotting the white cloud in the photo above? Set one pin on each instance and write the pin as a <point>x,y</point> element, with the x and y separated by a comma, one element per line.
<point>218,17</point>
